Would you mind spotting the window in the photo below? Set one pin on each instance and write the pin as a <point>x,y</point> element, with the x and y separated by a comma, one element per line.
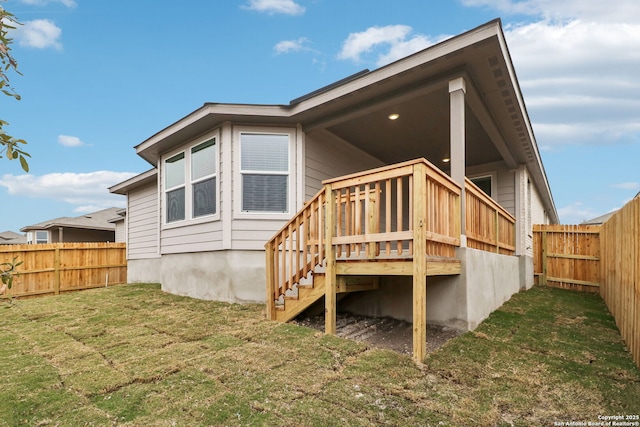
<point>484,183</point>
<point>190,182</point>
<point>38,236</point>
<point>174,187</point>
<point>203,179</point>
<point>264,169</point>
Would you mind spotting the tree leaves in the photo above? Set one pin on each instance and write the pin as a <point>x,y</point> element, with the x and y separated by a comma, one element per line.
<point>9,144</point>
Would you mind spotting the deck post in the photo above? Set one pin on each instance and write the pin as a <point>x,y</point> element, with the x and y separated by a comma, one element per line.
<point>330,257</point>
<point>419,263</point>
<point>271,281</point>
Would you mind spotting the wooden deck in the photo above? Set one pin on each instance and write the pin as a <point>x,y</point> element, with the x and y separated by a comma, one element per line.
<point>401,220</point>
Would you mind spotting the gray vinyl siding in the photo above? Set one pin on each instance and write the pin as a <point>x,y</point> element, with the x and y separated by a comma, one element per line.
<point>143,222</point>
<point>121,235</point>
<point>252,234</point>
<point>200,234</point>
<point>206,236</point>
<point>328,157</point>
<point>506,196</point>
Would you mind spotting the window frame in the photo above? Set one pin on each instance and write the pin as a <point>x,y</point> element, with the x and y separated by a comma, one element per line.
<point>32,237</point>
<point>493,176</point>
<point>186,149</point>
<point>238,172</point>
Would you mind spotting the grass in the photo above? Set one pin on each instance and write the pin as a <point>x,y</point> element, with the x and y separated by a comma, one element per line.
<point>135,356</point>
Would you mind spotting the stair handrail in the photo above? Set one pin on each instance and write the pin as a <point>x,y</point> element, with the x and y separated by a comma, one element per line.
<point>299,242</point>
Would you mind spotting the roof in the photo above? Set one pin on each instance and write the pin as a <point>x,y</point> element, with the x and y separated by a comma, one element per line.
<point>12,238</point>
<point>600,219</point>
<point>354,109</point>
<point>134,182</point>
<point>92,221</point>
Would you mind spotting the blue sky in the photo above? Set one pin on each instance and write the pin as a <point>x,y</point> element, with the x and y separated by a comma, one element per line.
<point>102,76</point>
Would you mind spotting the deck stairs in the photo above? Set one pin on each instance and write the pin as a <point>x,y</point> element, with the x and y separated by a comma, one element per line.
<point>303,295</point>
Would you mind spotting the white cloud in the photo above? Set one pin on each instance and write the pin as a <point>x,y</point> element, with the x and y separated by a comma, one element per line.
<point>39,33</point>
<point>68,3</point>
<point>70,141</point>
<point>79,189</point>
<point>627,185</point>
<point>287,46</point>
<point>579,80</point>
<point>287,7</point>
<point>396,39</point>
<point>612,10</point>
<point>576,213</point>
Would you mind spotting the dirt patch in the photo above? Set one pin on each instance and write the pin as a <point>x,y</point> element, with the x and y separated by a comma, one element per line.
<point>380,332</point>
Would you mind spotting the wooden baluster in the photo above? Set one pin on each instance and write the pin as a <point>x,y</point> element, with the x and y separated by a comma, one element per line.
<point>412,202</point>
<point>378,208</point>
<point>399,214</point>
<point>387,227</point>
<point>322,201</point>
<point>339,220</point>
<point>357,215</point>
<point>348,220</point>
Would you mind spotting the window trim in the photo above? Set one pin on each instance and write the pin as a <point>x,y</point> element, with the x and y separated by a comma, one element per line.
<point>238,213</point>
<point>494,182</point>
<point>32,237</point>
<point>188,182</point>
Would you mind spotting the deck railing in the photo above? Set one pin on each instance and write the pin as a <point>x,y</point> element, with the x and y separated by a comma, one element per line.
<point>489,227</point>
<point>373,216</point>
<point>373,213</point>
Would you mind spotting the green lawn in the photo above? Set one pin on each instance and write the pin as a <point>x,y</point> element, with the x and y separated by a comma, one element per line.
<point>132,355</point>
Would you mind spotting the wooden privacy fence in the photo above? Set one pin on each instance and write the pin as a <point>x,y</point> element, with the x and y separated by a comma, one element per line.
<point>620,272</point>
<point>62,267</point>
<point>567,256</point>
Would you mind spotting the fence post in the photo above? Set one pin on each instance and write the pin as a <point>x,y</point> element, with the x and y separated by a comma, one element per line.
<point>56,266</point>
<point>544,258</point>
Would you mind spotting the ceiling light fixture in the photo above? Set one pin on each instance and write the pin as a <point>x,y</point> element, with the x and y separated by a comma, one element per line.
<point>393,116</point>
<point>446,160</point>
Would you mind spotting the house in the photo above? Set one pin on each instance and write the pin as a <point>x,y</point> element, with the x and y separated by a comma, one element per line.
<point>12,238</point>
<point>91,227</point>
<point>600,219</point>
<point>227,178</point>
<point>119,222</point>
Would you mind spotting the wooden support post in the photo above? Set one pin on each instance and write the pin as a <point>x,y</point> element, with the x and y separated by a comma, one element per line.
<point>544,259</point>
<point>330,257</point>
<point>497,231</point>
<point>56,262</point>
<point>271,282</point>
<point>419,264</point>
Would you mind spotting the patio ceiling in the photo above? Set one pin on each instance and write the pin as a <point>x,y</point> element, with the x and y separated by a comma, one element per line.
<point>422,130</point>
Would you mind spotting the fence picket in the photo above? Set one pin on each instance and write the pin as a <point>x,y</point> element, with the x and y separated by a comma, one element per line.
<point>62,267</point>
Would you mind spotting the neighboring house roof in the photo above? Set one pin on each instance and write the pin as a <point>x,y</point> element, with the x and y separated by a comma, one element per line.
<point>134,182</point>
<point>91,221</point>
<point>599,220</point>
<point>417,87</point>
<point>12,238</point>
<point>122,213</point>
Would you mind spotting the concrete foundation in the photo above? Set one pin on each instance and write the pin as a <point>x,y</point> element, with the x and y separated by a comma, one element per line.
<point>228,276</point>
<point>463,301</point>
<point>460,302</point>
<point>143,270</point>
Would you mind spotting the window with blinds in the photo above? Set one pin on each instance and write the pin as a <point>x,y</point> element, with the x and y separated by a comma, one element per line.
<point>203,179</point>
<point>174,188</point>
<point>264,169</point>
<point>191,182</point>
